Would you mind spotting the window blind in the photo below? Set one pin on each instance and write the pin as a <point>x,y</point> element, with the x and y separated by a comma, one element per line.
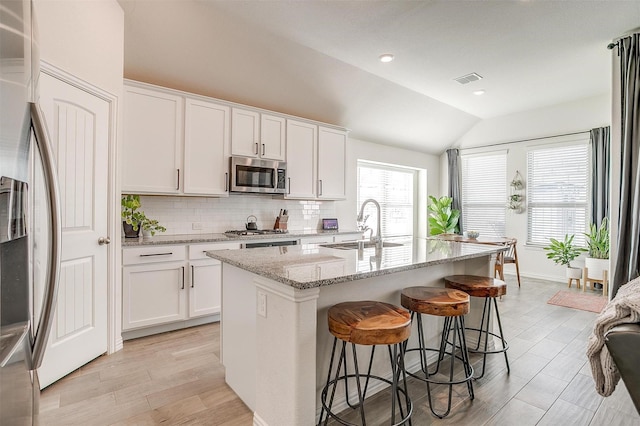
<point>557,193</point>
<point>484,193</point>
<point>393,188</point>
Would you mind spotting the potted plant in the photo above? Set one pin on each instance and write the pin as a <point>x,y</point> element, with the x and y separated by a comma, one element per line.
<point>563,252</point>
<point>442,218</point>
<point>597,260</point>
<point>133,219</point>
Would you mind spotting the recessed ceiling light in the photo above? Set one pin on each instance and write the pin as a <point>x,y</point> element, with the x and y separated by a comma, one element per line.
<point>479,92</point>
<point>387,57</point>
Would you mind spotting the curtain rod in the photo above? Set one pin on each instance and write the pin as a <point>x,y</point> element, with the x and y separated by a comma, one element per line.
<point>616,41</point>
<point>527,140</point>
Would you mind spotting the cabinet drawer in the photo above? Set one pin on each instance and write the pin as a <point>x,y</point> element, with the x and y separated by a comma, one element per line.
<point>197,251</point>
<point>140,255</point>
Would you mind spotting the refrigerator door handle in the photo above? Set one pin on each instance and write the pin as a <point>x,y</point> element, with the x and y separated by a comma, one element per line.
<point>51,182</point>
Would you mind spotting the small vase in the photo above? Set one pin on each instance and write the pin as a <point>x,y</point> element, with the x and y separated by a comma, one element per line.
<point>129,232</point>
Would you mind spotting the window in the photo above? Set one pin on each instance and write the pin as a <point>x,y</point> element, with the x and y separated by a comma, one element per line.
<point>557,193</point>
<point>484,193</point>
<point>393,187</point>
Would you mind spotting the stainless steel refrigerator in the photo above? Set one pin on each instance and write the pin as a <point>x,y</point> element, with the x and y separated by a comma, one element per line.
<point>29,251</point>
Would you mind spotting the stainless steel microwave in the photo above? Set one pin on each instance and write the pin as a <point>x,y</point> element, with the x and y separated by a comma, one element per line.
<point>256,175</point>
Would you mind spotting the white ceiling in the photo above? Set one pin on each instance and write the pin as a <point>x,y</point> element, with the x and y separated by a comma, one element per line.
<point>319,59</point>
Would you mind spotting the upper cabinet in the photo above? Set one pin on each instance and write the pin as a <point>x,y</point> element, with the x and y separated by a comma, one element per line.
<point>185,139</point>
<point>302,144</point>
<point>332,146</point>
<point>188,139</point>
<point>257,135</point>
<point>206,148</point>
<point>315,161</point>
<point>152,135</point>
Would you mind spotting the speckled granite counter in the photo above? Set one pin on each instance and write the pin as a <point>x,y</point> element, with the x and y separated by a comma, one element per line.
<point>213,238</point>
<point>305,268</point>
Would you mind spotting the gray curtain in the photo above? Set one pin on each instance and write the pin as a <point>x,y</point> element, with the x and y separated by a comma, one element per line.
<point>455,190</point>
<point>627,262</point>
<point>600,159</point>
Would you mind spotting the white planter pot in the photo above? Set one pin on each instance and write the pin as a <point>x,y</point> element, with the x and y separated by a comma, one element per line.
<point>573,273</point>
<point>596,267</point>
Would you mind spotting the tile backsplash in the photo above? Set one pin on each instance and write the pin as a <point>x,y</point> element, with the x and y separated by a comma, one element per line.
<point>180,215</point>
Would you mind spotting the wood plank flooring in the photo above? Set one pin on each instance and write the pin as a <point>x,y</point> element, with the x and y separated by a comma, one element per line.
<point>176,378</point>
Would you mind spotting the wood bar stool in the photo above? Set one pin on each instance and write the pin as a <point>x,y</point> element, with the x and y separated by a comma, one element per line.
<point>490,289</point>
<point>453,305</point>
<point>368,323</point>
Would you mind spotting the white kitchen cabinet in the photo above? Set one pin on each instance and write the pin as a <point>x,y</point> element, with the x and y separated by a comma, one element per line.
<point>257,135</point>
<point>153,286</point>
<point>206,148</point>
<point>302,145</point>
<point>205,282</point>
<point>186,139</point>
<point>152,135</point>
<point>170,284</point>
<point>332,145</point>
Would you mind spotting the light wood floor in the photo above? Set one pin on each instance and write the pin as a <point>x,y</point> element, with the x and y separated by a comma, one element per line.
<point>176,378</point>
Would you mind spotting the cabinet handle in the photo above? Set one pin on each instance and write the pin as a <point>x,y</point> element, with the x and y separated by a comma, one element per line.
<point>262,149</point>
<point>193,277</point>
<point>289,186</point>
<point>182,277</point>
<point>320,187</point>
<point>178,183</point>
<point>226,182</point>
<point>157,254</point>
<point>256,148</point>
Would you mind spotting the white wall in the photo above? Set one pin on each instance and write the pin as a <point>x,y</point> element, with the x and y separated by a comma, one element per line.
<point>560,119</point>
<point>84,38</point>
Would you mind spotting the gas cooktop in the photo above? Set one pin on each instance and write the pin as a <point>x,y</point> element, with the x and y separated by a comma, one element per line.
<point>256,232</point>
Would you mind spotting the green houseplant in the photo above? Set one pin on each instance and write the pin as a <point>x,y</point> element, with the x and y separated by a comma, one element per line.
<point>133,219</point>
<point>597,260</point>
<point>598,240</point>
<point>442,218</point>
<point>563,252</point>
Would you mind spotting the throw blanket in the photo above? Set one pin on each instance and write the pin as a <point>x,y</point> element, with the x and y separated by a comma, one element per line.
<point>622,309</point>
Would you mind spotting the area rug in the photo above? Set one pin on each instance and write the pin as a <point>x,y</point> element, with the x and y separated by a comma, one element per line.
<point>584,302</point>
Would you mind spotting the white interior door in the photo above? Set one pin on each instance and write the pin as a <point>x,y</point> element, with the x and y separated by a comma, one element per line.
<point>78,124</point>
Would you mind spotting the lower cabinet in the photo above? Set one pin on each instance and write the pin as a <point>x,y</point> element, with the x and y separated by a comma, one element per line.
<point>170,284</point>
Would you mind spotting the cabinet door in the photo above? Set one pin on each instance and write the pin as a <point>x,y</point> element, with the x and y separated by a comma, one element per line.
<point>205,288</point>
<point>245,132</point>
<point>152,134</point>
<point>332,146</point>
<point>302,140</point>
<point>272,132</point>
<point>153,294</point>
<point>206,148</point>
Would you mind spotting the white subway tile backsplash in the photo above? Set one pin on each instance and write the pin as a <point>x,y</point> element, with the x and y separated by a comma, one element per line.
<point>215,215</point>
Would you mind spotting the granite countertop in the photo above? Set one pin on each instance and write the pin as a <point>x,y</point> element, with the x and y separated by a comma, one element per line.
<point>305,268</point>
<point>220,237</point>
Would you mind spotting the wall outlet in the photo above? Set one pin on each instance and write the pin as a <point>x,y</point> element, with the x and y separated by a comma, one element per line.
<point>196,226</point>
<point>262,304</point>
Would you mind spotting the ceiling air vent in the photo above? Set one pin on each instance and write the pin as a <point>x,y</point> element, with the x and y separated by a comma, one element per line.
<point>468,78</point>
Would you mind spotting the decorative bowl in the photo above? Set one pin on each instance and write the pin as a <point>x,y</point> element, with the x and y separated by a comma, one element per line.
<point>472,234</point>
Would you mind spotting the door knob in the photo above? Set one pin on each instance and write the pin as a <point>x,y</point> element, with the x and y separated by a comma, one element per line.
<point>104,240</point>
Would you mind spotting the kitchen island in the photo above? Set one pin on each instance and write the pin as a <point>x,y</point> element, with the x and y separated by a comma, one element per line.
<point>275,341</point>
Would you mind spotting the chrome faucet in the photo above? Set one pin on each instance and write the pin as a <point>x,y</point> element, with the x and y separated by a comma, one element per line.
<point>377,240</point>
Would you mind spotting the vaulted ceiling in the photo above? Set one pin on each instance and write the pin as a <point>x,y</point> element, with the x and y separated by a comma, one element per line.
<point>319,59</point>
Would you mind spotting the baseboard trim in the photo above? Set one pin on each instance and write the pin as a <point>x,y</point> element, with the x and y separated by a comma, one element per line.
<point>148,331</point>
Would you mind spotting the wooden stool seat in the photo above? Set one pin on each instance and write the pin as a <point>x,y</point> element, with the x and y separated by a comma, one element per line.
<point>369,323</point>
<point>489,289</point>
<point>441,302</point>
<point>477,286</point>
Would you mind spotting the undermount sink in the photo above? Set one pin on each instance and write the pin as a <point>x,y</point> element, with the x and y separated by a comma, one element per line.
<point>352,245</point>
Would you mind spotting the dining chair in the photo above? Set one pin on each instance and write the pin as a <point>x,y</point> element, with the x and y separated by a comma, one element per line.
<point>505,257</point>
